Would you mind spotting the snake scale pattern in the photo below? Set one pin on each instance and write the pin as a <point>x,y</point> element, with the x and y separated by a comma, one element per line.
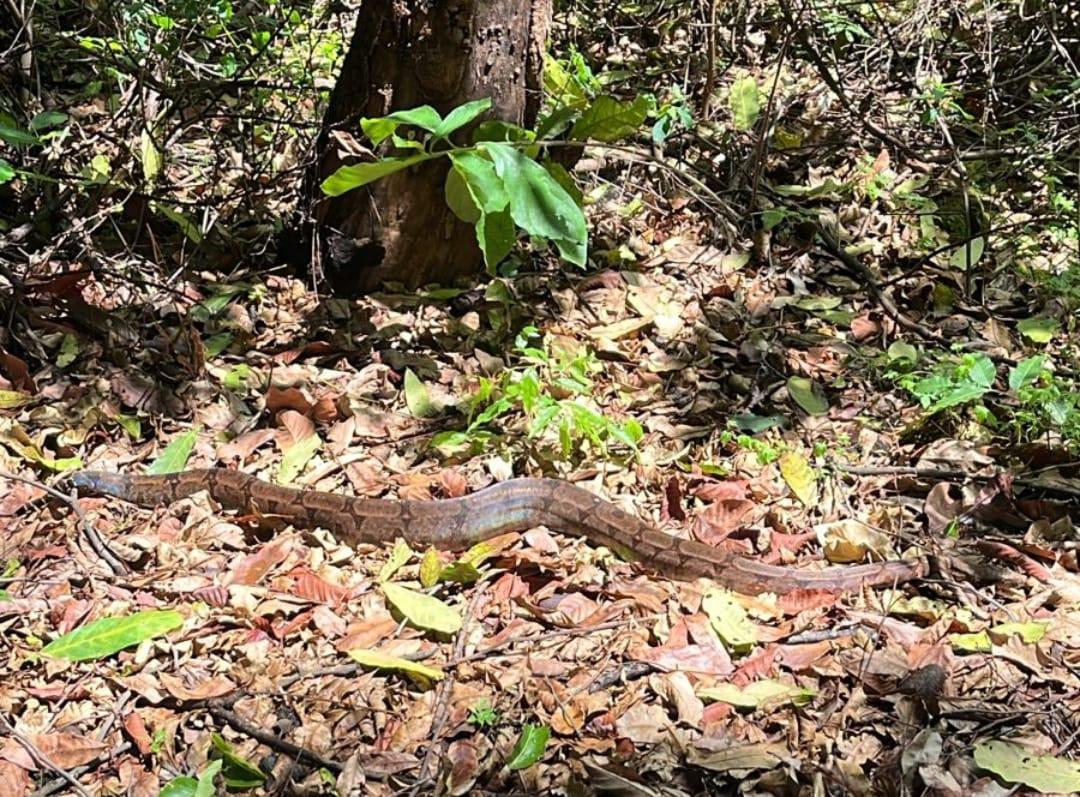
<point>515,505</point>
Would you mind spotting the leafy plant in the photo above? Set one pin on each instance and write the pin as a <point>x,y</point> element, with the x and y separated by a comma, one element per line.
<point>482,715</point>
<point>551,389</point>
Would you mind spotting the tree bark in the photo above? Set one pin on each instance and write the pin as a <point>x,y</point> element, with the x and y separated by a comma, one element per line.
<point>440,53</point>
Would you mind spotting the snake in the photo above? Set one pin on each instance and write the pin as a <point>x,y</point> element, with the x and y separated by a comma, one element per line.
<point>514,505</point>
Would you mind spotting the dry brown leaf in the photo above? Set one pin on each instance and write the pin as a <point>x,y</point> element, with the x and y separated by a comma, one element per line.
<point>67,750</point>
<point>196,686</point>
<point>254,567</point>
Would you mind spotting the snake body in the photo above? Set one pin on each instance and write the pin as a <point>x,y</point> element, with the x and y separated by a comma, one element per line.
<point>515,505</point>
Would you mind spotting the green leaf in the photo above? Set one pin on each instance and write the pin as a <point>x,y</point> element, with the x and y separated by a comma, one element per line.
<point>151,157</point>
<point>16,137</point>
<point>961,394</point>
<point>729,620</point>
<point>759,693</point>
<point>902,352</point>
<point>175,456</point>
<point>1039,330</point>
<point>378,129</point>
<point>399,555</point>
<point>458,199</point>
<point>131,426</point>
<point>1015,763</point>
<point>346,178</point>
<point>530,747</point>
<point>380,661</point>
<point>461,116</point>
<point>538,204</point>
<point>238,772</point>
<point>983,372</point>
<point>7,172</point>
<point>297,457</point>
<point>216,344</point>
<point>608,119</point>
<point>497,236</point>
<point>422,610</point>
<point>808,394</point>
<point>108,635</point>
<point>745,102</point>
<point>967,255</point>
<point>183,786</point>
<point>485,186</point>
<point>69,351</point>
<point>206,780</point>
<point>758,423</point>
<point>978,642</point>
<point>417,398</point>
<point>1026,372</point>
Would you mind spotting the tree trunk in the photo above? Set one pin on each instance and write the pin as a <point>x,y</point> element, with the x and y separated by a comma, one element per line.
<point>440,53</point>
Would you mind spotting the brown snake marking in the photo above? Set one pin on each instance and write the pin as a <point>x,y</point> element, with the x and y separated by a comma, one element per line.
<point>515,505</point>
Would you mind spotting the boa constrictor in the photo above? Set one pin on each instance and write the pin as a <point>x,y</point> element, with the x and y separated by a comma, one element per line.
<point>515,505</point>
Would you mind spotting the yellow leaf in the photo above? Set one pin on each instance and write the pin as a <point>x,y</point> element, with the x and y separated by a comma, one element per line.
<point>430,567</point>
<point>800,477</point>
<point>757,694</point>
<point>729,620</point>
<point>381,661</point>
<point>851,540</point>
<point>398,557</point>
<point>422,610</point>
<point>1018,764</point>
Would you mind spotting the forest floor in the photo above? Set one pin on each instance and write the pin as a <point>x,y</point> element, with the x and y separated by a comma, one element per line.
<point>637,677</point>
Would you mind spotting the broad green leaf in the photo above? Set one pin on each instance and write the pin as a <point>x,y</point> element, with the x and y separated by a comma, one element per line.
<point>808,394</point>
<point>729,620</point>
<point>983,372</point>
<point>216,344</point>
<point>297,457</point>
<point>560,85</point>
<point>486,188</point>
<point>108,635</point>
<point>400,554</point>
<point>346,178</point>
<point>814,304</point>
<point>460,573</point>
<point>530,747</point>
<point>7,171</point>
<point>131,426</point>
<point>422,610</point>
<point>538,204</point>
<point>1039,330</point>
<point>186,225</point>
<point>424,117</point>
<point>967,255</point>
<point>1015,763</point>
<point>800,477</point>
<point>497,236</point>
<point>16,137</point>
<point>380,661</point>
<point>758,423</point>
<point>978,642</point>
<point>745,102</point>
<point>759,693</point>
<point>461,116</point>
<point>206,786</point>
<point>237,771</point>
<point>238,377</point>
<point>417,398</point>
<point>1029,633</point>
<point>9,399</point>
<point>1026,372</point>
<point>608,119</point>
<point>563,178</point>
<point>826,188</point>
<point>902,352</point>
<point>175,456</point>
<point>496,130</point>
<point>183,786</point>
<point>458,199</point>
<point>151,157</point>
<point>961,394</point>
<point>69,351</point>
<point>47,120</point>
